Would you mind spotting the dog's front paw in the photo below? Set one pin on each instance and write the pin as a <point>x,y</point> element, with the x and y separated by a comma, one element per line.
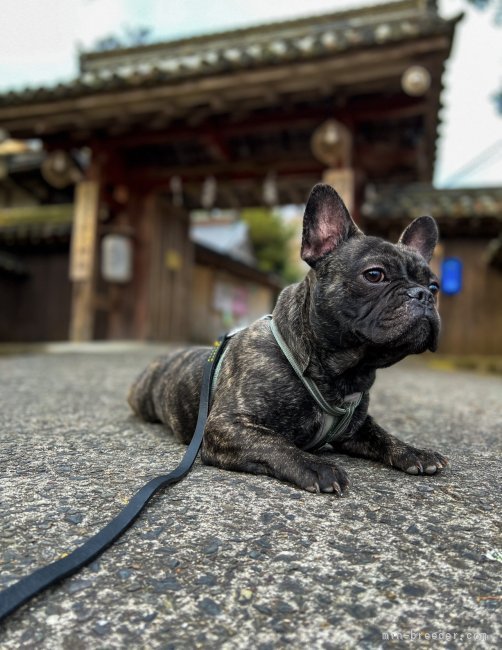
<point>316,475</point>
<point>418,461</point>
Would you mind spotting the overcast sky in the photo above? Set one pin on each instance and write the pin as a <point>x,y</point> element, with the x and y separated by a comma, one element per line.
<point>39,41</point>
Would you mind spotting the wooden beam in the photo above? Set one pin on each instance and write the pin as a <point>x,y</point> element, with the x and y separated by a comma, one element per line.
<point>295,163</point>
<point>238,170</point>
<point>361,110</point>
<point>134,129</point>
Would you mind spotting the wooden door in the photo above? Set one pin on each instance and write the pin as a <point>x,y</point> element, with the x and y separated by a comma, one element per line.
<point>169,259</point>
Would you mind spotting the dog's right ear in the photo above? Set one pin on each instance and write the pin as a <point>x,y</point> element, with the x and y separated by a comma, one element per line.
<point>326,224</point>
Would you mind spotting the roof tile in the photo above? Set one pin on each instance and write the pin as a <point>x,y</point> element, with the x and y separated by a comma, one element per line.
<point>407,202</point>
<point>301,38</point>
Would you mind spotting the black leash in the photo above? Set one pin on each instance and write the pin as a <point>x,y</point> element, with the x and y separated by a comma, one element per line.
<point>27,588</point>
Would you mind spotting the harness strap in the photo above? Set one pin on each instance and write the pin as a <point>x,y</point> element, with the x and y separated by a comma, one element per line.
<point>336,418</point>
<point>217,369</point>
<point>28,587</point>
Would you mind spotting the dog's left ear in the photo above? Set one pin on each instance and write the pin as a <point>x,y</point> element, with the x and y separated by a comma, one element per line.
<point>421,235</point>
<point>326,224</point>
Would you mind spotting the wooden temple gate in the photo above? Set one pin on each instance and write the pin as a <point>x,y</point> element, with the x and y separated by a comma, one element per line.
<point>261,113</point>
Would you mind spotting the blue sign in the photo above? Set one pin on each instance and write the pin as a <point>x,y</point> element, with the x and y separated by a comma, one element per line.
<point>451,276</point>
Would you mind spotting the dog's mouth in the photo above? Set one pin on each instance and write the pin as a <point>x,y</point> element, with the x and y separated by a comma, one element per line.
<point>426,334</point>
<point>407,333</point>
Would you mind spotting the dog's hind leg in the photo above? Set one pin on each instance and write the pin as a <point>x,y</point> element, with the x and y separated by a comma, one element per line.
<point>168,391</point>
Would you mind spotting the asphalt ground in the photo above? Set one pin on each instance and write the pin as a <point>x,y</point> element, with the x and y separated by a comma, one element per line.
<point>228,560</point>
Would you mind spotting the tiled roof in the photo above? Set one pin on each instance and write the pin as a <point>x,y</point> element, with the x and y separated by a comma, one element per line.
<point>410,201</point>
<point>266,45</point>
<point>35,224</point>
<point>35,233</point>
<point>36,214</point>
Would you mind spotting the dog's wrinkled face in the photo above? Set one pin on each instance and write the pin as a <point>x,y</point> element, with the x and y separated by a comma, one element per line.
<point>368,291</point>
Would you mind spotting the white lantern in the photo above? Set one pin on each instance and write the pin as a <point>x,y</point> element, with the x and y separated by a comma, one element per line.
<point>116,258</point>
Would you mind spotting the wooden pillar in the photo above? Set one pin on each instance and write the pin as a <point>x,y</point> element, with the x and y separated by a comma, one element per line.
<point>343,180</point>
<point>163,271</point>
<point>332,144</point>
<point>83,260</point>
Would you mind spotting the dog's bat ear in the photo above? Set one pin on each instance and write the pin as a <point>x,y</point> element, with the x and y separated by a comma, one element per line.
<point>422,236</point>
<point>326,224</point>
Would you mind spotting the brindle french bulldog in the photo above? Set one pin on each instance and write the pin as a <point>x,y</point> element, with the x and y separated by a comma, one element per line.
<point>365,304</point>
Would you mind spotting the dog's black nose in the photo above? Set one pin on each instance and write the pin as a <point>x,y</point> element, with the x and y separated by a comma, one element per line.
<point>421,294</point>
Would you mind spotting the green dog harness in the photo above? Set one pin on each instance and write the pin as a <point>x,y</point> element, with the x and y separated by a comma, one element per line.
<point>336,418</point>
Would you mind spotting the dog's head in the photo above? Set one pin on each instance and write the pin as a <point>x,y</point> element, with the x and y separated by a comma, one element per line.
<point>368,291</point>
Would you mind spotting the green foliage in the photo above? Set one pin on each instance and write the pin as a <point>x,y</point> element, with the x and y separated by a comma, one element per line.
<point>271,240</point>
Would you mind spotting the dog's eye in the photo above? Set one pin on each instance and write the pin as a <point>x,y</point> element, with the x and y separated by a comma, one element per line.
<point>433,288</point>
<point>374,275</point>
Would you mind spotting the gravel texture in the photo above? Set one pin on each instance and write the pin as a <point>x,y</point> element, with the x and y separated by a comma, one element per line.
<point>227,560</point>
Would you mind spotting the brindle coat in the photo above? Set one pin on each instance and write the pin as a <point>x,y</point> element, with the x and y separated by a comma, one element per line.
<point>365,304</point>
